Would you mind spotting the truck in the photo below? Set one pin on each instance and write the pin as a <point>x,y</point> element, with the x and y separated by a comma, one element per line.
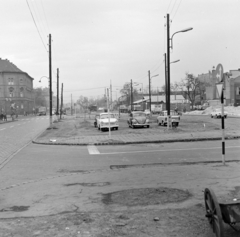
<point>42,111</point>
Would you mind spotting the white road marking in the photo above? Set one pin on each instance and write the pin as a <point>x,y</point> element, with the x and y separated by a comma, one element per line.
<point>93,150</point>
<point>12,127</point>
<point>19,124</point>
<point>2,129</point>
<point>150,151</point>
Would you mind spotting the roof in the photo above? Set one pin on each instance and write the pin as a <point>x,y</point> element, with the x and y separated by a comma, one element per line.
<point>7,66</point>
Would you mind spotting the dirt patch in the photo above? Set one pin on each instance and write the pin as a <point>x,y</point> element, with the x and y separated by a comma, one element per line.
<point>145,196</point>
<point>100,184</point>
<point>188,222</point>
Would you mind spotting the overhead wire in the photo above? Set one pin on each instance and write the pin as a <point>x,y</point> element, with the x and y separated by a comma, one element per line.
<point>177,9</point>
<point>36,26</point>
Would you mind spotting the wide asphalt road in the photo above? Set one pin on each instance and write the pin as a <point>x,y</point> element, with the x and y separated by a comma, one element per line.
<point>36,162</point>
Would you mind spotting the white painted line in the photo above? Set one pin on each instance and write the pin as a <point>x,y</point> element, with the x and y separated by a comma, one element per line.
<point>2,129</point>
<point>19,124</point>
<point>93,150</point>
<point>12,127</point>
<point>149,151</point>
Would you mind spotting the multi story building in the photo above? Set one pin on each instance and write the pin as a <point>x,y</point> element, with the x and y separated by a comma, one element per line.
<point>16,89</point>
<point>231,86</point>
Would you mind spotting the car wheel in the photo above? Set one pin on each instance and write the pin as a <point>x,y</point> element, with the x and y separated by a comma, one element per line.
<point>225,116</point>
<point>159,124</point>
<point>102,129</point>
<point>98,128</point>
<point>133,127</point>
<point>211,116</point>
<point>148,126</point>
<point>116,128</point>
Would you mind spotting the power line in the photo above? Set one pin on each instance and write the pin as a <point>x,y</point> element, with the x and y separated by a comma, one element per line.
<point>36,25</point>
<point>85,89</point>
<point>173,6</point>
<point>177,9</point>
<point>169,5</point>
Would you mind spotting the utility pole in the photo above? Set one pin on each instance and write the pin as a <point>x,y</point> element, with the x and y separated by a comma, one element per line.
<point>58,94</point>
<point>131,96</point>
<point>168,67</point>
<point>50,80</point>
<point>71,105</point>
<point>149,90</point>
<point>166,90</point>
<point>61,102</point>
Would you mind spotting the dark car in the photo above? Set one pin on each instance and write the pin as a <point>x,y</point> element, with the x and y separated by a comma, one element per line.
<point>138,119</point>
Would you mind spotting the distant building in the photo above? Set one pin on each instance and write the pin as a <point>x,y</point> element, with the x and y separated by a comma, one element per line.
<point>231,85</point>
<point>16,89</point>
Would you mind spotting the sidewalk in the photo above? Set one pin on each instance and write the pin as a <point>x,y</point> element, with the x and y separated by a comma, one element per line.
<point>171,136</point>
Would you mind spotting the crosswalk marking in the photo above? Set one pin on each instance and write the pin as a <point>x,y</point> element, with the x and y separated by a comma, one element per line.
<point>92,150</point>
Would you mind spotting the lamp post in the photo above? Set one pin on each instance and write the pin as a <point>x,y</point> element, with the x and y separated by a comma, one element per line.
<point>150,77</point>
<point>168,59</point>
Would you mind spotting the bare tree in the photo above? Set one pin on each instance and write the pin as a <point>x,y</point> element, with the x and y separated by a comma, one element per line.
<point>190,87</point>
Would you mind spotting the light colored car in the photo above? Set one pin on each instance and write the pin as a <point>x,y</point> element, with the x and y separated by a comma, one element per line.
<point>147,112</point>
<point>103,121</point>
<point>138,119</point>
<point>217,113</point>
<point>162,118</point>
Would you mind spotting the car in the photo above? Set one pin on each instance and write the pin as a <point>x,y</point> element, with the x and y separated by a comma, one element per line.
<point>147,112</point>
<point>104,119</point>
<point>162,118</point>
<point>95,120</point>
<point>138,119</point>
<point>217,113</point>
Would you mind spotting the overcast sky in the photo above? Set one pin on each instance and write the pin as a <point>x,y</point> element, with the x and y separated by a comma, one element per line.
<point>98,41</point>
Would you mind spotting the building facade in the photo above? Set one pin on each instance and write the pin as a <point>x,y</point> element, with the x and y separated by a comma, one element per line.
<point>231,86</point>
<point>16,89</point>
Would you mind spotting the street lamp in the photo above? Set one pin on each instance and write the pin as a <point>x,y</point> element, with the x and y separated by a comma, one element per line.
<point>168,59</point>
<point>150,101</point>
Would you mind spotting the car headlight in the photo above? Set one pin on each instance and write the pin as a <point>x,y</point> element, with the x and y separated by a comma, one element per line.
<point>134,121</point>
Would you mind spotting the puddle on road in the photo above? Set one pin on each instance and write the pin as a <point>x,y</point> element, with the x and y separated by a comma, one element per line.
<point>15,209</point>
<point>100,184</point>
<point>146,196</point>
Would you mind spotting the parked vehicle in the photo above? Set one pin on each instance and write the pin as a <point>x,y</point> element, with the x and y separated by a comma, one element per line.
<point>103,121</point>
<point>147,112</point>
<point>217,113</point>
<point>42,111</point>
<point>138,119</point>
<point>174,116</point>
<point>95,120</point>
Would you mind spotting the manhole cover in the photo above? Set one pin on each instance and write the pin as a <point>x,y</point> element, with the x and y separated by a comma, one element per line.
<point>145,196</point>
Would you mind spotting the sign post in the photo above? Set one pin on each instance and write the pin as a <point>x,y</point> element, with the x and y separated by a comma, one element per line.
<point>220,89</point>
<point>109,127</point>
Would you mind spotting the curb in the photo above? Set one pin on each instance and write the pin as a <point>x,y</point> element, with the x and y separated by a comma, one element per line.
<point>136,142</point>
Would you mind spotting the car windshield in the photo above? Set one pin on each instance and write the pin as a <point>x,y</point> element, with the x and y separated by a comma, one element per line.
<point>138,114</point>
<point>103,116</point>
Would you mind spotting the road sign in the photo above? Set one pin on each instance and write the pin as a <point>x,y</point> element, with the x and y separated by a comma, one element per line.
<point>219,89</point>
<point>219,73</point>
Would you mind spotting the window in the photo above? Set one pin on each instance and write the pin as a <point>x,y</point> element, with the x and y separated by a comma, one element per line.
<point>11,89</point>
<point>237,90</point>
<point>10,81</point>
<point>21,91</point>
<point>21,81</point>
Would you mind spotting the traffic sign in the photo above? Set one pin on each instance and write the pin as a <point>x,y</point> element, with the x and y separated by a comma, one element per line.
<point>219,73</point>
<point>219,89</point>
